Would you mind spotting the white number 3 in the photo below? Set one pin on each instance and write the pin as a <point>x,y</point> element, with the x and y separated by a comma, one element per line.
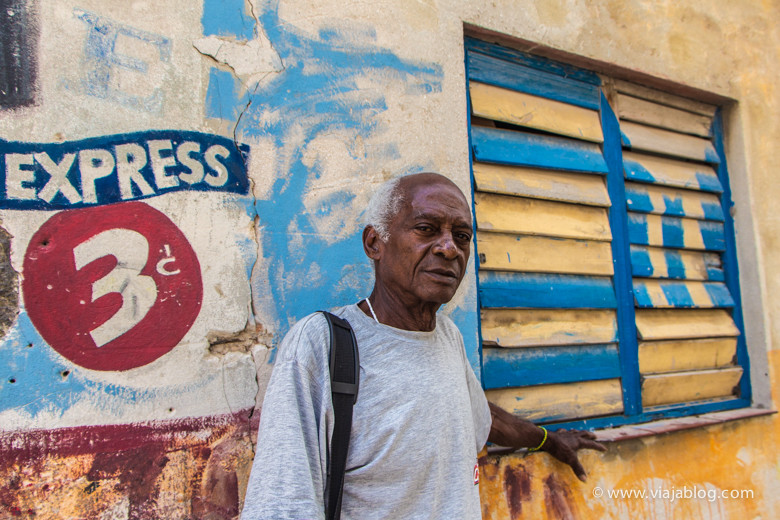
<point>139,292</point>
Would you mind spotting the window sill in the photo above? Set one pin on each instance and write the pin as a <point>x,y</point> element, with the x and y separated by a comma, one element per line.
<point>636,431</point>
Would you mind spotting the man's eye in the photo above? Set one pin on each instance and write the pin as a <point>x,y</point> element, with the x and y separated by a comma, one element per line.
<point>425,228</point>
<point>465,237</point>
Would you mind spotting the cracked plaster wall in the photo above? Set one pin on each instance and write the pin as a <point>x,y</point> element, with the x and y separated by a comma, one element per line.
<point>331,99</point>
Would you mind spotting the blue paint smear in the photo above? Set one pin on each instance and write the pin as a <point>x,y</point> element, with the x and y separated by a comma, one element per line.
<point>674,206</point>
<point>712,211</point>
<point>641,265</point>
<point>101,60</point>
<point>36,370</point>
<point>708,182</point>
<point>637,229</point>
<point>712,235</point>
<point>624,140</point>
<point>46,382</point>
<point>337,37</point>
<point>641,296</point>
<point>318,92</point>
<point>227,18</point>
<point>711,156</point>
<point>638,200</point>
<point>247,247</point>
<point>674,265</point>
<point>222,99</point>
<point>637,172</point>
<point>715,274</point>
<point>673,233</point>
<point>719,294</point>
<point>677,294</point>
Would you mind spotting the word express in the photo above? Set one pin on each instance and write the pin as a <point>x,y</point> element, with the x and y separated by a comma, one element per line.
<point>118,168</point>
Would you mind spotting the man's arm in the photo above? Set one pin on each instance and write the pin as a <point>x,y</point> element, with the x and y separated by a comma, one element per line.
<point>509,430</point>
<point>288,473</point>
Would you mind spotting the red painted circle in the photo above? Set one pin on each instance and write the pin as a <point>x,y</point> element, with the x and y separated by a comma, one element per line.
<point>58,297</point>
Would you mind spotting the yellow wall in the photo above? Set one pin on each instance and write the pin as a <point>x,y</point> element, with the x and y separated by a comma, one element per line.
<point>739,455</point>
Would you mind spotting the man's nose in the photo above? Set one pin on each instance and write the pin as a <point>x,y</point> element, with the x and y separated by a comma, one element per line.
<point>445,246</point>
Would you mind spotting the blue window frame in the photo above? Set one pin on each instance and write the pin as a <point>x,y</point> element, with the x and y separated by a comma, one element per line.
<point>607,273</point>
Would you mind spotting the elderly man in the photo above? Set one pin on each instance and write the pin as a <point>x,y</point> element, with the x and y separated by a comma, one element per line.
<point>422,416</point>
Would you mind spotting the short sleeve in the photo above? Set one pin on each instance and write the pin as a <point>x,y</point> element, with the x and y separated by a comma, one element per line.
<point>288,473</point>
<point>480,410</point>
<point>479,405</point>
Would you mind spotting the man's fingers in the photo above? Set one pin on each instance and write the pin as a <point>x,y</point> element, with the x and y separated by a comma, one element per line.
<point>586,440</point>
<point>568,442</point>
<point>591,445</point>
<point>578,469</point>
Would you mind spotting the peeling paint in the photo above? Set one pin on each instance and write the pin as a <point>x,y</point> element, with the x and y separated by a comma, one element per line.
<point>517,486</point>
<point>9,283</point>
<point>223,342</point>
<point>250,61</point>
<point>102,61</point>
<point>190,468</point>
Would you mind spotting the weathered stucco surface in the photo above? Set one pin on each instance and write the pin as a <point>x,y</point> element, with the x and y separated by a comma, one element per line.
<point>328,99</point>
<point>670,469</point>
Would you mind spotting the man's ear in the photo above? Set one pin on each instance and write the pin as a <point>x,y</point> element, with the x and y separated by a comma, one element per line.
<point>372,244</point>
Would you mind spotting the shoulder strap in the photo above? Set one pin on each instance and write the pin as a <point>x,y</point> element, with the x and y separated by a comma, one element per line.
<point>344,381</point>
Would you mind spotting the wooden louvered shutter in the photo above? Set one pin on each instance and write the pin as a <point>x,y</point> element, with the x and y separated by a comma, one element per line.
<point>548,320</point>
<point>687,337</point>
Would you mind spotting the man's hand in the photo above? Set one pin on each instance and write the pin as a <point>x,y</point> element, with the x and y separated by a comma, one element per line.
<point>509,430</point>
<point>564,444</point>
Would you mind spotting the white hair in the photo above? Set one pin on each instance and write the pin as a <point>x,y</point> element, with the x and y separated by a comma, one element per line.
<point>383,207</point>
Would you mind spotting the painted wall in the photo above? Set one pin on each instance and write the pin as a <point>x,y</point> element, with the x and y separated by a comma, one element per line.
<point>725,470</point>
<point>182,181</point>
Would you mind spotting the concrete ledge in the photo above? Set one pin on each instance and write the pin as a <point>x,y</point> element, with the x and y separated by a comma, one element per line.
<point>636,431</point>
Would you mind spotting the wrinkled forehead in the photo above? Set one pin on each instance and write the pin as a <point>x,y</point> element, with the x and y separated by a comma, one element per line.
<point>427,194</point>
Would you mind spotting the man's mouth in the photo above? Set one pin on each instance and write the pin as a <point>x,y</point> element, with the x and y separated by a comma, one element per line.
<point>445,274</point>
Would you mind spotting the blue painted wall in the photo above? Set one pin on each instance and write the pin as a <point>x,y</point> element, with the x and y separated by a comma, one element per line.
<point>316,93</point>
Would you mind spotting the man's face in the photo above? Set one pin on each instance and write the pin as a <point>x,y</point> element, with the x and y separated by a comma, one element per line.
<point>425,257</point>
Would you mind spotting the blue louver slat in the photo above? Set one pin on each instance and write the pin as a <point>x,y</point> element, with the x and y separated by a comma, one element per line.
<point>527,149</point>
<point>509,367</point>
<point>554,291</point>
<point>493,71</point>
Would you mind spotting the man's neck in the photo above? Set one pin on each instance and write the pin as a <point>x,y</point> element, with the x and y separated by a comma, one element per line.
<point>392,311</point>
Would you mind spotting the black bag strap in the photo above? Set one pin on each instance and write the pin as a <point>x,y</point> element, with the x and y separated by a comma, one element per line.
<point>344,382</point>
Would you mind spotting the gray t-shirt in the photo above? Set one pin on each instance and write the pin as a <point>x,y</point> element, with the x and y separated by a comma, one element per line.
<point>420,420</point>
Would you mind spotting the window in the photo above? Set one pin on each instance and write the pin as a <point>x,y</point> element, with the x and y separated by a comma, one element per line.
<point>607,271</point>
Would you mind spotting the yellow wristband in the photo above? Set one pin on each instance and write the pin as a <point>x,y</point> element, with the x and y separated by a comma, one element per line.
<point>543,440</point>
